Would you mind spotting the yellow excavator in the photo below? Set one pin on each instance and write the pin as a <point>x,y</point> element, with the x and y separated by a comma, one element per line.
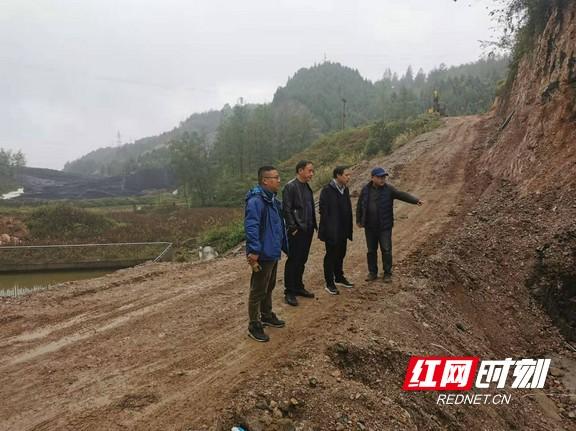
<point>436,107</point>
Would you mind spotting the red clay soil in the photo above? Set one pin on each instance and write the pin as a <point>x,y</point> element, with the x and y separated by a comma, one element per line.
<point>13,227</point>
<point>165,347</point>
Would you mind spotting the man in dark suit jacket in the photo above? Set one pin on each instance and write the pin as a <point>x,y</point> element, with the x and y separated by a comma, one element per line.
<point>336,227</point>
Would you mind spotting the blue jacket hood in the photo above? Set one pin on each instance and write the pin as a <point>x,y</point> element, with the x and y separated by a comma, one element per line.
<point>258,190</point>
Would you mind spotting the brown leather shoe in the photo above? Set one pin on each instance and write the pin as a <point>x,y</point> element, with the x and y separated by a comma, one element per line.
<point>304,293</point>
<point>290,300</point>
<point>371,276</point>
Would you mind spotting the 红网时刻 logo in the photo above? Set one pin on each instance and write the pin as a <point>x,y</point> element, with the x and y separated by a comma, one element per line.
<point>463,373</point>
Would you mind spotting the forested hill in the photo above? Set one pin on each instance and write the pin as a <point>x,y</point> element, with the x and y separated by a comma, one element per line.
<point>323,87</point>
<point>110,161</point>
<point>311,103</point>
<point>464,89</point>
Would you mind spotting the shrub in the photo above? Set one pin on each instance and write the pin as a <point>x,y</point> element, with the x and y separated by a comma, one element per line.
<point>223,238</point>
<point>322,176</point>
<point>66,221</point>
<point>384,136</point>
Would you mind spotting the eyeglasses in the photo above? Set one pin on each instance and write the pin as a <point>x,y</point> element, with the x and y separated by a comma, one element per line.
<point>277,177</point>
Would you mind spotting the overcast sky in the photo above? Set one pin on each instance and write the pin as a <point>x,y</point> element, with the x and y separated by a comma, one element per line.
<point>75,73</point>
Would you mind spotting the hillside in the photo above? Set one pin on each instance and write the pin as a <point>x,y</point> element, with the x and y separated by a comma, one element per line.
<point>111,160</point>
<point>321,89</point>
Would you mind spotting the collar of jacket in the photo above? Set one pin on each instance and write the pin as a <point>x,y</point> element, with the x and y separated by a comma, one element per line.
<point>295,181</point>
<point>371,185</point>
<point>267,196</point>
<point>336,186</point>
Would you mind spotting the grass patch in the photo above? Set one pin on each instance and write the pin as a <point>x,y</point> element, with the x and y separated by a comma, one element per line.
<point>385,136</point>
<point>350,146</point>
<point>327,152</point>
<point>223,238</point>
<point>64,221</point>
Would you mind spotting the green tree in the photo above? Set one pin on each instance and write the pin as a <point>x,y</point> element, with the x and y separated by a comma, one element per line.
<point>189,159</point>
<point>10,162</point>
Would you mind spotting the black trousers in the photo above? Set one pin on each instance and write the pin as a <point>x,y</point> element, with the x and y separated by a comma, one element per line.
<point>375,237</point>
<point>298,251</point>
<point>334,261</point>
<point>262,284</point>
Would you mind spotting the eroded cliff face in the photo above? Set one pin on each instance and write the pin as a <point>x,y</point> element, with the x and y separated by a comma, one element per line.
<point>523,176</point>
<point>536,146</point>
<point>537,150</point>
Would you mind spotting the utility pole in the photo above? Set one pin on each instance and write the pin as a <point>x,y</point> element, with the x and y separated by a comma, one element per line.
<point>343,113</point>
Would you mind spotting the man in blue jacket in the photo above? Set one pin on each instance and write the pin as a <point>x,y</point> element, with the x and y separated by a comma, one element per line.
<point>265,240</point>
<point>375,213</point>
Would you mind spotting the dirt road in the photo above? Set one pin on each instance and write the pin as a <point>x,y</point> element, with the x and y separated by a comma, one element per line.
<point>164,346</point>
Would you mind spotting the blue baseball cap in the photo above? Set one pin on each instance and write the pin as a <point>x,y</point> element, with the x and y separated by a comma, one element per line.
<point>379,172</point>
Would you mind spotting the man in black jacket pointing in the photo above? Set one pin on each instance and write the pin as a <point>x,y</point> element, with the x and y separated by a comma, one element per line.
<point>375,213</point>
<point>336,228</point>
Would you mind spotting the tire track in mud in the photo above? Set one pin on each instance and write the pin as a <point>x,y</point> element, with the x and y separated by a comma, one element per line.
<point>94,324</point>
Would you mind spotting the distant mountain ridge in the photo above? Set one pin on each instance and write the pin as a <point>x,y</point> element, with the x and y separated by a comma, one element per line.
<point>110,160</point>
<point>319,96</point>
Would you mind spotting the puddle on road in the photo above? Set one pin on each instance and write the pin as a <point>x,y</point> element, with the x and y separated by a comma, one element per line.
<point>17,284</point>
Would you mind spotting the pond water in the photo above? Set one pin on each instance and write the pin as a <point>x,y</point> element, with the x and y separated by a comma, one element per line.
<point>29,281</point>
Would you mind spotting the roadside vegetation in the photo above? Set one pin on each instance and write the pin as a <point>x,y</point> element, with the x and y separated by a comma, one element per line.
<point>352,145</point>
<point>521,22</point>
<point>224,237</point>
<point>10,164</point>
<point>74,223</point>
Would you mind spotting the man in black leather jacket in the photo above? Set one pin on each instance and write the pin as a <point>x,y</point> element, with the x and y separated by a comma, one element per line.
<point>300,216</point>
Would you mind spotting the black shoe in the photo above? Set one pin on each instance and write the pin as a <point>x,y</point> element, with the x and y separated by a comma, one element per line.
<point>331,289</point>
<point>371,276</point>
<point>272,320</point>
<point>387,277</point>
<point>304,293</point>
<point>256,332</point>
<point>290,299</point>
<point>344,283</point>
